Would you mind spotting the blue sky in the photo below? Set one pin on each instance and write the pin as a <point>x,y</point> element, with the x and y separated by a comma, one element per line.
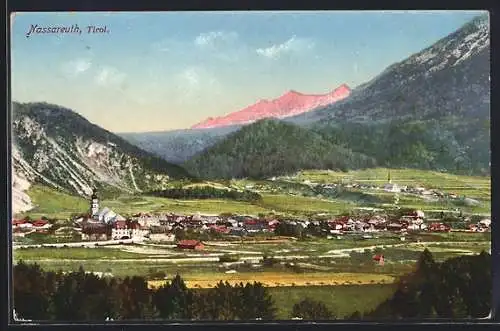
<point>170,70</point>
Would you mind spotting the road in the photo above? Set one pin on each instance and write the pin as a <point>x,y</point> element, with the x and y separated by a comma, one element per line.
<point>215,257</point>
<point>86,244</point>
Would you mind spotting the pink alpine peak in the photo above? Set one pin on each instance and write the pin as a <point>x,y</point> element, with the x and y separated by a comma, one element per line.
<point>289,104</point>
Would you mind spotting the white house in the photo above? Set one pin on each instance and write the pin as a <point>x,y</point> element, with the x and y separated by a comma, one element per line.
<point>485,222</point>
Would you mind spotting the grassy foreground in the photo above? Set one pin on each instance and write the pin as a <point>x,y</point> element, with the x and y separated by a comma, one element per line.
<point>342,300</point>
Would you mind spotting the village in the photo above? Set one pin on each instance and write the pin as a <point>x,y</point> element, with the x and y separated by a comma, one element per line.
<point>188,231</point>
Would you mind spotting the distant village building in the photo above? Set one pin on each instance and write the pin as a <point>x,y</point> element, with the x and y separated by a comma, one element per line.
<point>391,187</point>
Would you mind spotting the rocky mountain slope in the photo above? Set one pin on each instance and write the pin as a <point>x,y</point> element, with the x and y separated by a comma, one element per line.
<point>289,104</point>
<point>451,77</point>
<point>57,147</point>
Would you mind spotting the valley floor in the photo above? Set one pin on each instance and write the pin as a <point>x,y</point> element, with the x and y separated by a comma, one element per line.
<point>334,270</point>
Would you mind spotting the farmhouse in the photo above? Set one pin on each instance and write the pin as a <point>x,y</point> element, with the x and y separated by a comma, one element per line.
<point>95,231</point>
<point>439,227</point>
<point>190,244</point>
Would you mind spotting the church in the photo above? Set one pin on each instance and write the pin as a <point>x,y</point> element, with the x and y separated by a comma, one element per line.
<point>391,187</point>
<point>103,216</point>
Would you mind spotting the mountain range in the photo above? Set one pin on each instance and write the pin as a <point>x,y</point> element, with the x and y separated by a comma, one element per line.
<point>429,111</point>
<point>444,89</point>
<point>289,104</point>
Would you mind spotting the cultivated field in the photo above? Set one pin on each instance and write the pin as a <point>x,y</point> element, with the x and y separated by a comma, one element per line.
<point>273,279</point>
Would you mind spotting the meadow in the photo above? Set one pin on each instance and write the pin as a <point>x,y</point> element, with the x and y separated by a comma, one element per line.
<point>343,301</point>
<point>470,186</point>
<point>283,196</point>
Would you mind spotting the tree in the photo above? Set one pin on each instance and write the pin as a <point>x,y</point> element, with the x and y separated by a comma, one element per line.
<point>135,300</point>
<point>173,300</point>
<point>312,310</point>
<point>31,291</point>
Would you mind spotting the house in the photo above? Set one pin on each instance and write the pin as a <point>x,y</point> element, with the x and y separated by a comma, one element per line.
<point>128,230</point>
<point>439,227</point>
<point>378,257</point>
<point>41,226</point>
<point>95,231</point>
<point>18,223</point>
<point>190,244</point>
<point>393,188</point>
<point>137,231</point>
<point>120,231</point>
<point>485,222</point>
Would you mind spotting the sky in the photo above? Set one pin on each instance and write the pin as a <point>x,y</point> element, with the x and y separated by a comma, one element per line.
<point>157,71</point>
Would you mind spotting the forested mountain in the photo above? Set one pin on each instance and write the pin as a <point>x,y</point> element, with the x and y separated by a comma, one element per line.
<point>452,145</point>
<point>271,147</point>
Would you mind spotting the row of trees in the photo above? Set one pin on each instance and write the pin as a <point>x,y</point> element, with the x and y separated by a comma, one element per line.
<point>207,192</point>
<point>81,296</point>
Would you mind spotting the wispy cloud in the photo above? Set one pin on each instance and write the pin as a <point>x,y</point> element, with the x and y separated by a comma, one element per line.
<point>214,39</point>
<point>76,67</point>
<point>109,76</point>
<point>194,80</point>
<point>292,45</point>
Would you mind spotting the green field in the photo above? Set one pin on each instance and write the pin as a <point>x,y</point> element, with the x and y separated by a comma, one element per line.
<point>277,196</point>
<point>470,186</point>
<point>343,301</point>
<point>73,253</point>
<point>51,203</point>
<point>298,204</point>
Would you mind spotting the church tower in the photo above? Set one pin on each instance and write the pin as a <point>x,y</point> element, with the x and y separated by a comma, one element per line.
<point>389,177</point>
<point>94,205</point>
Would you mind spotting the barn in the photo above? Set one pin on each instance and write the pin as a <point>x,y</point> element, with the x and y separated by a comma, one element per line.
<point>190,244</point>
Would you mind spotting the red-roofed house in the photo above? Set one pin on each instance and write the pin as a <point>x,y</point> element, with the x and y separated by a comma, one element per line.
<point>439,227</point>
<point>190,244</point>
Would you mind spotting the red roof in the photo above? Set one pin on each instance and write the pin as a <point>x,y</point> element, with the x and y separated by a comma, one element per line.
<point>378,257</point>
<point>121,224</point>
<point>39,223</point>
<point>16,222</point>
<point>251,222</point>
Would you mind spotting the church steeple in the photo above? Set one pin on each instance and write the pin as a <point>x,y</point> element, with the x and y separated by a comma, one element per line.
<point>389,176</point>
<point>94,205</point>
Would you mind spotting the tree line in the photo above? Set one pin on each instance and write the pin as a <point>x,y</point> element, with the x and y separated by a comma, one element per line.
<point>459,287</point>
<point>206,192</point>
<point>82,296</point>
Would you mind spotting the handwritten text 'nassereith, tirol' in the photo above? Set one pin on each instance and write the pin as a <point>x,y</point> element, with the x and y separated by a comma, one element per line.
<point>72,29</point>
